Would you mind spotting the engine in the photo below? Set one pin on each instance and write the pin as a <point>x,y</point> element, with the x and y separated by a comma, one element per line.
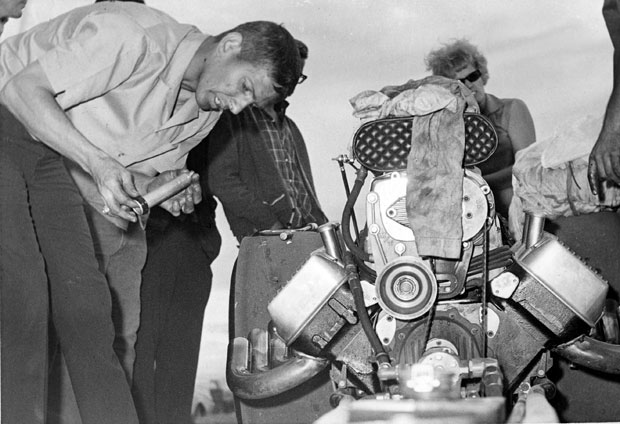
<point>438,338</point>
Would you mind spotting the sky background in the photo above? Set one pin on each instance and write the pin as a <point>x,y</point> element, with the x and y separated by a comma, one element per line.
<point>553,54</point>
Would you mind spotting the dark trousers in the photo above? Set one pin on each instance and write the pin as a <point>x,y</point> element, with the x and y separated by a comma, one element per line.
<point>176,282</point>
<point>48,269</point>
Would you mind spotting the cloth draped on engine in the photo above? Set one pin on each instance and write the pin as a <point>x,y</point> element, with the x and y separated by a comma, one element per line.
<point>437,108</point>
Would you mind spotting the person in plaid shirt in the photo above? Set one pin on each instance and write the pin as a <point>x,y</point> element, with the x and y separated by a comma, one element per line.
<point>260,171</point>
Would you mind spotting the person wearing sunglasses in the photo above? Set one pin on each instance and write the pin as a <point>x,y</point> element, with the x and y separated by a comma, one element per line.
<point>511,118</point>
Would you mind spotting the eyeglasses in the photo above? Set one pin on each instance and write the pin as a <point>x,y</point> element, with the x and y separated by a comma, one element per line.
<point>302,78</point>
<point>473,77</point>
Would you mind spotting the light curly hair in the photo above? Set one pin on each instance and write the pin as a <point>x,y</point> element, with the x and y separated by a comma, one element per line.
<point>446,61</point>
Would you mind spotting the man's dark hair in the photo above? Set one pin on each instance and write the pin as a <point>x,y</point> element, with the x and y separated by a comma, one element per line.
<point>271,45</point>
<point>303,50</point>
<point>303,55</point>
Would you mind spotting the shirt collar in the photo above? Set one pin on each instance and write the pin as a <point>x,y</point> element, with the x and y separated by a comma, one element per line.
<point>280,109</point>
<point>174,73</point>
<point>188,112</point>
<point>172,76</point>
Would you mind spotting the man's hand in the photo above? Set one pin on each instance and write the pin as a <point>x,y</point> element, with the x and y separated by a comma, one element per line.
<point>185,200</point>
<point>117,187</point>
<point>604,162</point>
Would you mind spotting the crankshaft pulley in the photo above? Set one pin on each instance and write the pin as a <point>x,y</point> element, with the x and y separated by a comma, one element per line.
<point>406,288</point>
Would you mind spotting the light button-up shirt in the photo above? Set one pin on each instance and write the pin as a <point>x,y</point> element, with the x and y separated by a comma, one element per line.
<point>117,69</point>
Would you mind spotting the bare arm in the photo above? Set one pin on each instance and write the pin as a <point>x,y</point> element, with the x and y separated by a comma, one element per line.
<point>521,127</point>
<point>30,97</point>
<point>604,162</point>
<point>522,134</point>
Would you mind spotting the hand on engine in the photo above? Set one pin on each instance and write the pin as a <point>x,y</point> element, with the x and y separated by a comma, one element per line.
<point>604,162</point>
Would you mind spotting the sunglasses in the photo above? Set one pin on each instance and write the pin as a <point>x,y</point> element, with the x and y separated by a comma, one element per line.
<point>473,77</point>
<point>302,78</point>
